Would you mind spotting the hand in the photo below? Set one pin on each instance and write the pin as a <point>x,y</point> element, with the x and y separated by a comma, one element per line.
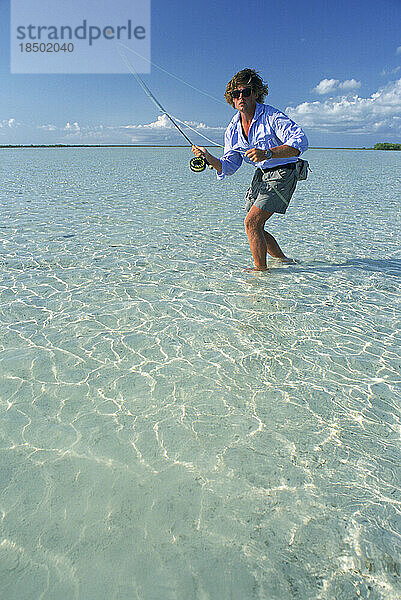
<point>256,154</point>
<point>200,151</point>
<point>212,161</point>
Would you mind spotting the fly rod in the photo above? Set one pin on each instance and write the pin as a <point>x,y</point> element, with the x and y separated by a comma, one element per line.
<point>196,164</point>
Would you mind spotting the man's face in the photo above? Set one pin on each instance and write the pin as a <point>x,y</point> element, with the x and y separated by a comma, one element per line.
<point>245,103</point>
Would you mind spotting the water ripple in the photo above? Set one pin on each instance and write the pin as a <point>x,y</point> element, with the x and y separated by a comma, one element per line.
<point>172,427</point>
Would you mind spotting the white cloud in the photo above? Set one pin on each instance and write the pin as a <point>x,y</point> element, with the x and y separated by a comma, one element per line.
<point>328,86</point>
<point>163,122</point>
<point>10,123</point>
<point>162,131</point>
<point>48,127</point>
<point>391,71</point>
<point>158,132</point>
<point>381,112</point>
<point>398,51</point>
<point>350,84</point>
<point>72,128</point>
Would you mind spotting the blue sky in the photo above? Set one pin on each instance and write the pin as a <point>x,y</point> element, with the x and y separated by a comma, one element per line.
<point>335,67</point>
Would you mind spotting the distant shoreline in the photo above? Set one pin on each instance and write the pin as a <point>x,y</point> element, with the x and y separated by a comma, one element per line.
<point>61,146</point>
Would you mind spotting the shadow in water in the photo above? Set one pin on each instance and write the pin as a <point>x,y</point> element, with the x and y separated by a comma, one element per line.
<point>389,266</point>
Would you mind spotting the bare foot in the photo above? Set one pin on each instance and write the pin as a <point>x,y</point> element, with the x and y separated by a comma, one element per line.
<point>287,261</point>
<point>254,269</point>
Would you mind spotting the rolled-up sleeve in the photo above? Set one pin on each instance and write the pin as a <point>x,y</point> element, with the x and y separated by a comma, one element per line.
<point>231,160</point>
<point>290,133</point>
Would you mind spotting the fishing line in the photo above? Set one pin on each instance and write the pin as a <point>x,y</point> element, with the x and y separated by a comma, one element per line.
<point>239,150</point>
<point>198,163</point>
<point>198,133</point>
<point>171,74</point>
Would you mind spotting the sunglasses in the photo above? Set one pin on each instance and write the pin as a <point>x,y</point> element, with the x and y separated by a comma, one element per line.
<point>246,92</point>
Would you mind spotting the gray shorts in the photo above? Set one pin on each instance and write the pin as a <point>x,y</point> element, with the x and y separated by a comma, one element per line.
<point>272,190</point>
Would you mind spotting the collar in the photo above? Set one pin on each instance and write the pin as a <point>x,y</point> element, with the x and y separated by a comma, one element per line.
<point>258,112</point>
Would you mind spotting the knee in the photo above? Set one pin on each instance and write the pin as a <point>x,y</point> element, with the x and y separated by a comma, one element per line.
<point>252,223</point>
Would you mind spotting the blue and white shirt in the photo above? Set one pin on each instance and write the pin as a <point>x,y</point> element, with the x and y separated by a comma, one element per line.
<point>269,128</point>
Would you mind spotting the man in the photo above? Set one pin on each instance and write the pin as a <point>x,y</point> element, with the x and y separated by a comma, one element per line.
<point>262,135</point>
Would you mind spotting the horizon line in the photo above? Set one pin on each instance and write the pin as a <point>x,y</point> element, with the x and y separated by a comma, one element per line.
<point>5,146</point>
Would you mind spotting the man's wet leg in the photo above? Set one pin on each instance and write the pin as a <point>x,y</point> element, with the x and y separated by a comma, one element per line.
<point>254,227</point>
<point>272,246</point>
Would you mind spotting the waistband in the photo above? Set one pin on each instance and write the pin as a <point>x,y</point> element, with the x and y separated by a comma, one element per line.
<point>285,166</point>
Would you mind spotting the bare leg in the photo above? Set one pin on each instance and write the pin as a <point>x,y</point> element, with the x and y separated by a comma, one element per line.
<point>260,241</point>
<point>272,246</point>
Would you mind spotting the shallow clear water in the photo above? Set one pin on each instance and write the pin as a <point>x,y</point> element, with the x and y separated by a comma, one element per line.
<point>173,427</point>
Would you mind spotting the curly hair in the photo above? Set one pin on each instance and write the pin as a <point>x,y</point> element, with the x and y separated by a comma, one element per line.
<point>247,77</point>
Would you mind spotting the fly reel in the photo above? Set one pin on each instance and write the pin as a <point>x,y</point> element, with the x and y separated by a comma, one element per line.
<point>199,164</point>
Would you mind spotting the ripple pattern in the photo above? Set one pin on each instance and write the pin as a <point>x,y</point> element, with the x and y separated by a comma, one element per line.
<point>172,427</point>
